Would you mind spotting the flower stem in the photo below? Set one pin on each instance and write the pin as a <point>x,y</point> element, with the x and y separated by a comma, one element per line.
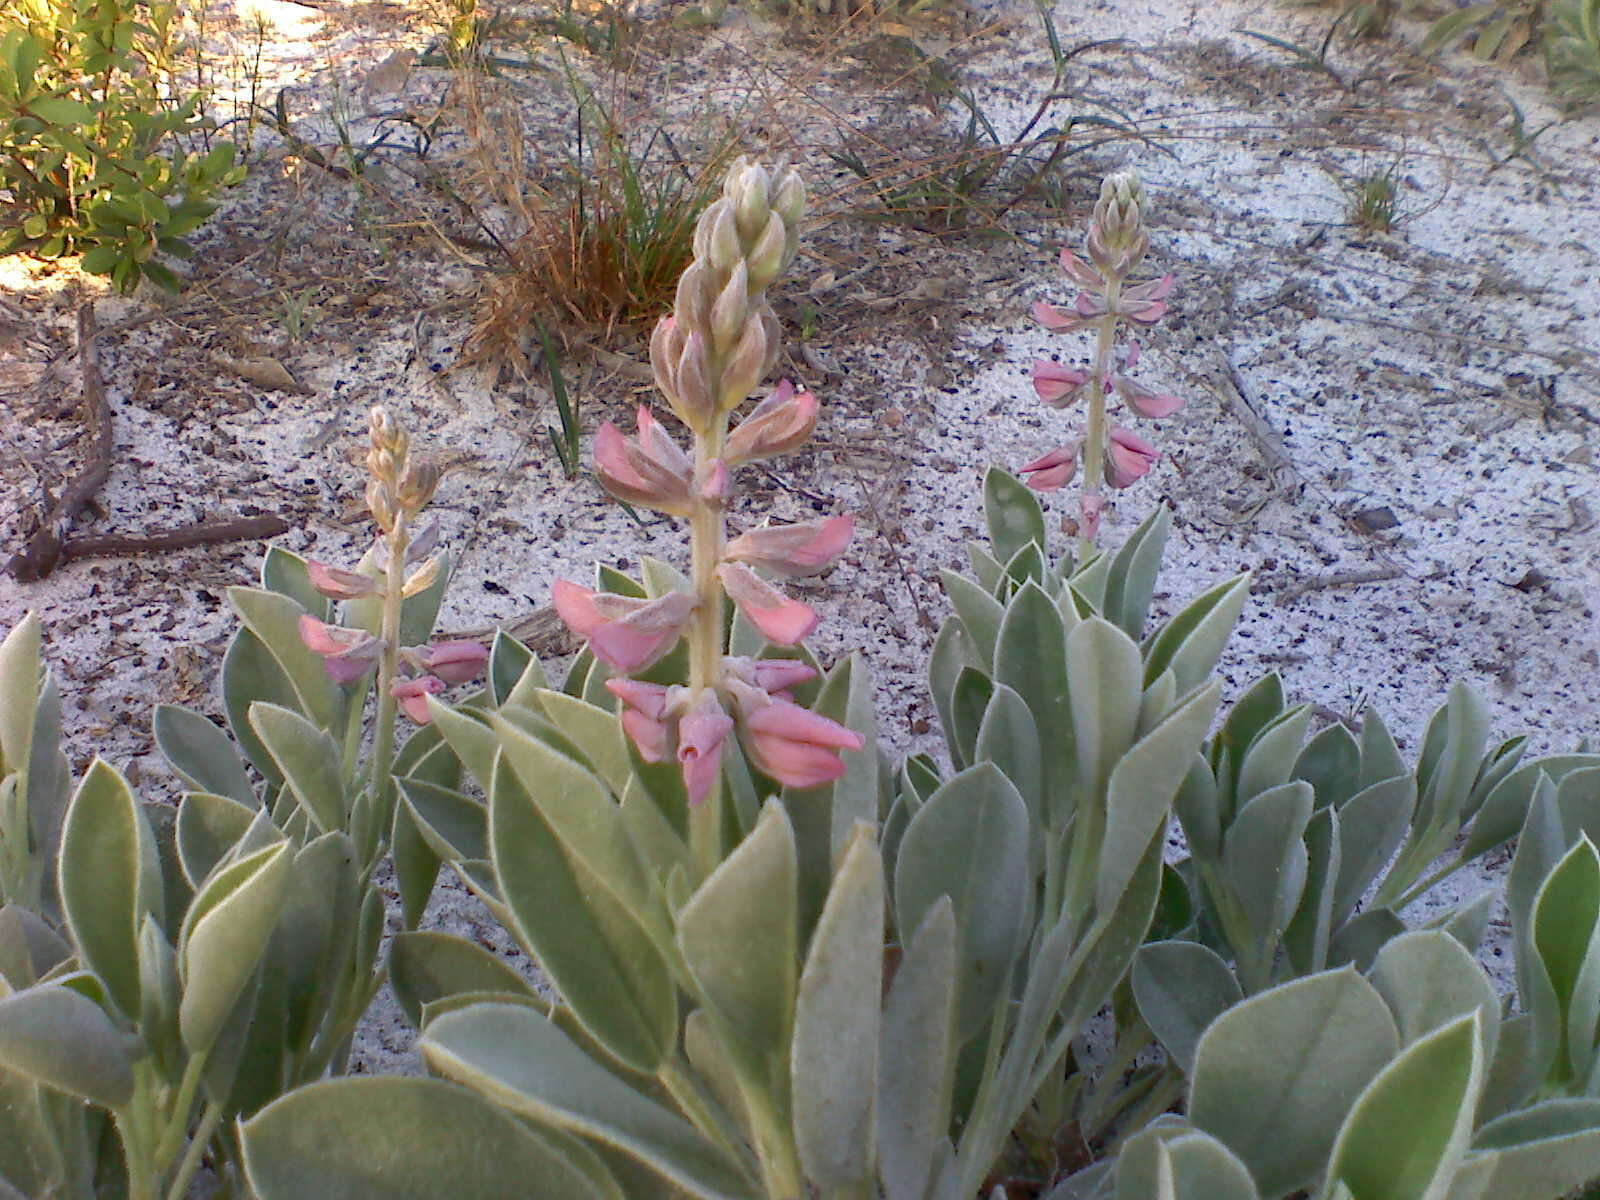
<point>708,539</point>
<point>394,581</point>
<point>1094,438</point>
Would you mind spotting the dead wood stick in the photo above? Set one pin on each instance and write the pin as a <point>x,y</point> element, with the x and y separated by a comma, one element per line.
<point>42,552</point>
<point>1339,579</point>
<point>205,533</point>
<point>1235,398</point>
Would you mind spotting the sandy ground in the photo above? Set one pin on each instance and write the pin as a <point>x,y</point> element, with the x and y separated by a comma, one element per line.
<point>1394,431</point>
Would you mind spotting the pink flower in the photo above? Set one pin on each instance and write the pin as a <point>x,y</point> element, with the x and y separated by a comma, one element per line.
<point>1090,506</point>
<point>649,470</point>
<point>347,654</point>
<point>777,618</point>
<point>795,746</point>
<point>413,696</point>
<point>802,549</point>
<point>701,733</point>
<point>645,716</point>
<point>1059,320</point>
<point>1145,303</point>
<point>1128,457</point>
<point>1057,386</point>
<point>455,661</point>
<point>780,424</point>
<point>1054,470</point>
<point>338,584</point>
<point>1081,273</point>
<point>1139,398</point>
<point>776,676</point>
<point>626,633</point>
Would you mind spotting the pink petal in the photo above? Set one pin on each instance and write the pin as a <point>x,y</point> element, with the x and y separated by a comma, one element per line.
<point>625,632</point>
<point>1090,506</point>
<point>653,739</point>
<point>780,424</point>
<point>1146,314</point>
<point>1152,405</point>
<point>455,661</point>
<point>636,475</point>
<point>338,584</point>
<point>801,549</point>
<point>1155,289</point>
<point>1128,457</point>
<point>575,606</point>
<point>778,618</point>
<point>781,674</point>
<point>1055,319</point>
<point>413,696</point>
<point>650,699</point>
<point>701,733</point>
<point>1080,272</point>
<point>784,718</point>
<point>1051,471</point>
<point>1055,384</point>
<point>795,746</point>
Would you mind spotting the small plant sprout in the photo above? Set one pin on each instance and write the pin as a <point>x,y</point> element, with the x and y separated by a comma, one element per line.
<point>708,356</point>
<point>1375,201</point>
<point>1112,456</point>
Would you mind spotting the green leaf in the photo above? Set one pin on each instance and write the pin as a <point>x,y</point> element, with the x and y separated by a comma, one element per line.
<point>1331,763</point>
<point>593,950</point>
<point>309,760</point>
<point>522,1061</point>
<point>1372,824</point>
<point>953,652</point>
<point>63,1040</point>
<point>1506,806</point>
<point>918,1057</point>
<point>467,732</point>
<point>208,827</point>
<point>110,878</point>
<point>739,936</point>
<point>201,753</point>
<point>275,620</point>
<point>1142,788</point>
<point>1306,937</point>
<point>583,815</point>
<point>1428,979</point>
<point>428,965</point>
<point>223,938</point>
<point>251,674</point>
<point>1012,512</point>
<point>1009,738</point>
<point>62,111</point>
<point>1105,689</point>
<point>408,1139</point>
<point>1265,860</point>
<point>455,826</point>
<point>1566,938</point>
<point>1181,987</point>
<point>1132,580</point>
<point>1174,1161</point>
<point>1190,644</point>
<point>835,1056</point>
<point>1548,1149</point>
<point>1357,942</point>
<point>969,841</point>
<point>1275,1075</point>
<point>1030,656</point>
<point>1269,761</point>
<point>1409,1129</point>
<point>980,613</point>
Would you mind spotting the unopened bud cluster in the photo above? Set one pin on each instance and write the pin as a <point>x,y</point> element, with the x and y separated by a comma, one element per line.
<point>722,338</point>
<point>398,488</point>
<point>1116,244</point>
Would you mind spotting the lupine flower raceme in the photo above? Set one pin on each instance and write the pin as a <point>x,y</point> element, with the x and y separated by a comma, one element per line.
<point>707,358</point>
<point>400,566</point>
<point>1112,456</point>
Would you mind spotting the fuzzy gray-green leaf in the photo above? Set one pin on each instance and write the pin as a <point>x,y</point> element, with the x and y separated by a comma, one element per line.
<point>1142,788</point>
<point>834,1064</point>
<point>63,1040</point>
<point>1190,644</point>
<point>1275,1075</point>
<point>426,965</point>
<point>110,878</point>
<point>1429,979</point>
<point>1030,656</point>
<point>918,1058</point>
<point>274,619</point>
<point>1012,513</point>
<point>518,1058</point>
<point>1181,987</point>
<point>455,825</point>
<point>201,753</point>
<point>309,760</point>
<point>408,1139</point>
<point>969,841</point>
<point>208,827</point>
<point>1265,858</point>
<point>592,948</point>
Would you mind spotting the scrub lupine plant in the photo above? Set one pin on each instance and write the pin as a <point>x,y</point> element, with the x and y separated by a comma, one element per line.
<point>1112,455</point>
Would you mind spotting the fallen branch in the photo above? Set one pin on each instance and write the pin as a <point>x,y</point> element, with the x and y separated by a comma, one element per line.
<point>1340,579</point>
<point>43,551</point>
<point>206,533</point>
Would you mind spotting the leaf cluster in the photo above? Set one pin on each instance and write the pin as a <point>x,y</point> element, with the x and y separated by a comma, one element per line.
<point>92,139</point>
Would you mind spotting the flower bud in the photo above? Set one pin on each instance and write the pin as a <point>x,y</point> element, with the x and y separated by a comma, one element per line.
<point>731,311</point>
<point>769,255</point>
<point>417,488</point>
<point>745,366</point>
<point>379,505</point>
<point>789,196</point>
<point>748,189</point>
<point>718,244</point>
<point>697,292</point>
<point>421,579</point>
<point>780,424</point>
<point>338,584</point>
<point>691,381</point>
<point>666,344</point>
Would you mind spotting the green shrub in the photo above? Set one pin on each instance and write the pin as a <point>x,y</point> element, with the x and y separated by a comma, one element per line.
<point>94,136</point>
